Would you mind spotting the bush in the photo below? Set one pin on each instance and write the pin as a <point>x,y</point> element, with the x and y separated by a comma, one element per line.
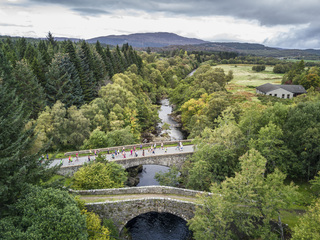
<point>97,175</point>
<point>259,68</point>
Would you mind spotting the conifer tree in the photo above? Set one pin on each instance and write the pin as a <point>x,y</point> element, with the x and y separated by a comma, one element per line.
<point>28,88</point>
<point>87,80</point>
<point>110,64</point>
<point>63,83</point>
<point>18,168</point>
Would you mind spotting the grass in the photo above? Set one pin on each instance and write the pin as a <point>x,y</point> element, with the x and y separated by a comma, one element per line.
<point>103,198</point>
<point>246,80</point>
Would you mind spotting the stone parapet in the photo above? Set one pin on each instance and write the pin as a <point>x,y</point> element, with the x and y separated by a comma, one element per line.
<point>112,149</point>
<point>141,190</point>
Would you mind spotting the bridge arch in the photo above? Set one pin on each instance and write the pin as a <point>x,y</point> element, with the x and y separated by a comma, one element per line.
<point>121,212</point>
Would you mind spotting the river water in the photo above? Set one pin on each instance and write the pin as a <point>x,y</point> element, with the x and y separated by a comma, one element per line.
<point>147,175</point>
<point>154,225</point>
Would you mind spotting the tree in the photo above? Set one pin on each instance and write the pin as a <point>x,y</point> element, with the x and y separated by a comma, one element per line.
<point>170,178</point>
<point>244,205</point>
<point>100,175</point>
<point>18,167</point>
<point>44,214</point>
<point>63,83</point>
<point>28,88</point>
<point>309,224</point>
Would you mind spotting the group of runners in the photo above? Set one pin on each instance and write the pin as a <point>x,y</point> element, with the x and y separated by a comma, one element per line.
<point>133,152</point>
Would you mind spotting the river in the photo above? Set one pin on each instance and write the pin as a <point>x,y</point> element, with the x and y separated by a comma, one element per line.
<point>147,175</point>
<point>154,225</point>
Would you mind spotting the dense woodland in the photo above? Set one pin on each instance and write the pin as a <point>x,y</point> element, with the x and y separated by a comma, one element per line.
<point>57,96</point>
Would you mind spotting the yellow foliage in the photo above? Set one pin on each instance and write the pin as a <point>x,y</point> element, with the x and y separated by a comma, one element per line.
<point>95,230</point>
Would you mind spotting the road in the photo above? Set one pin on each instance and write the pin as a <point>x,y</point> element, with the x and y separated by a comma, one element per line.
<point>158,151</point>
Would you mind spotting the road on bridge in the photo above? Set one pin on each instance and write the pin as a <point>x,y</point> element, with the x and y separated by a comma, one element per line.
<point>158,151</point>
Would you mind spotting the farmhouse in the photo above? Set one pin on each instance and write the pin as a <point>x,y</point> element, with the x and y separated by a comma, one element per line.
<point>280,91</point>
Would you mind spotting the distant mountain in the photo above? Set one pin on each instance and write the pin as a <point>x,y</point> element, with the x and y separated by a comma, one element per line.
<point>140,40</point>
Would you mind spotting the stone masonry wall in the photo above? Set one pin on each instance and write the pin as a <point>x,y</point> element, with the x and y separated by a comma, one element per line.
<point>141,190</point>
<point>112,149</point>
<point>123,211</point>
<point>168,160</point>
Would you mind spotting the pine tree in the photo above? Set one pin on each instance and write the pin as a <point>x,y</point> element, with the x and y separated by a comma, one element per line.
<point>87,80</point>
<point>28,88</point>
<point>110,64</point>
<point>18,168</point>
<point>5,68</point>
<point>63,83</point>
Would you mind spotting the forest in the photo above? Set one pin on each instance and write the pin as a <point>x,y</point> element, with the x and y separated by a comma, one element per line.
<point>254,151</point>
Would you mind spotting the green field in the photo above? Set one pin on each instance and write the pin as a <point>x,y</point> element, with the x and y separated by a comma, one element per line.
<point>246,80</point>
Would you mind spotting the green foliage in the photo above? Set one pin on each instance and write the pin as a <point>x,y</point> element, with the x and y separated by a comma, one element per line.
<point>315,184</point>
<point>18,166</point>
<point>244,205</point>
<point>217,154</point>
<point>170,178</point>
<point>259,68</point>
<point>99,175</point>
<point>309,224</point>
<point>44,214</point>
<point>94,228</point>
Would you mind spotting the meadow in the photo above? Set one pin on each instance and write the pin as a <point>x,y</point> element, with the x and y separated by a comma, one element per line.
<point>245,79</point>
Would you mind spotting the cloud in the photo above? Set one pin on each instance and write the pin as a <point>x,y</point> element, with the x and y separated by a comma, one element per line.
<point>90,11</point>
<point>305,37</point>
<point>267,12</point>
<point>14,25</point>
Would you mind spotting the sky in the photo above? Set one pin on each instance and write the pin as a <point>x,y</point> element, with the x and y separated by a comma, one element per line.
<point>274,23</point>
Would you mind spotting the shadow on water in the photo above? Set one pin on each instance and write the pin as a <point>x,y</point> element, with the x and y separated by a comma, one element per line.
<point>158,226</point>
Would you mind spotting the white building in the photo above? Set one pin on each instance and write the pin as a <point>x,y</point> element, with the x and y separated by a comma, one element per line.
<point>280,91</point>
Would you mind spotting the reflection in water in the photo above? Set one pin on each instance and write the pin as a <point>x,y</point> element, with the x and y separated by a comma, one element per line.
<point>147,175</point>
<point>158,226</point>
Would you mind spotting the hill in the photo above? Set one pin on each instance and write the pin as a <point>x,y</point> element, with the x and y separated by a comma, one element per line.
<point>246,48</point>
<point>141,40</point>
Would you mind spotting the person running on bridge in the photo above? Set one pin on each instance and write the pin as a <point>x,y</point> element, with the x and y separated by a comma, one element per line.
<point>143,152</point>
<point>178,146</point>
<point>162,145</point>
<point>70,159</point>
<point>61,162</point>
<point>89,158</point>
<point>131,152</point>
<point>165,150</point>
<point>77,156</point>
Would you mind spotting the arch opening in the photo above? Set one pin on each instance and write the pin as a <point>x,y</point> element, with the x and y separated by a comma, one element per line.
<point>156,226</point>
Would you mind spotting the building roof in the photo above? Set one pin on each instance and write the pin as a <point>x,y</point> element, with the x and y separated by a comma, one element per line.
<point>268,87</point>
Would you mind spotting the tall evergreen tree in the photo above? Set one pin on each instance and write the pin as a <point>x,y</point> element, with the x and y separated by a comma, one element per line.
<point>110,64</point>
<point>63,83</point>
<point>5,67</point>
<point>28,88</point>
<point>18,168</point>
<point>87,79</point>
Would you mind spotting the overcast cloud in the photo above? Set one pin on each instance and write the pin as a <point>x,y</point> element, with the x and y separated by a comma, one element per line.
<point>280,23</point>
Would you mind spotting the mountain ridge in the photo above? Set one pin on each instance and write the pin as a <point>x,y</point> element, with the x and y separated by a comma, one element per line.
<point>156,39</point>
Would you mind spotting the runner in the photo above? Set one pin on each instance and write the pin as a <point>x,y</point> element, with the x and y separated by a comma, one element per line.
<point>77,156</point>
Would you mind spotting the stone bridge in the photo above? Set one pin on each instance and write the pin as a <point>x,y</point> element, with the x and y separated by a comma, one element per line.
<point>122,211</point>
<point>137,202</point>
<point>167,160</point>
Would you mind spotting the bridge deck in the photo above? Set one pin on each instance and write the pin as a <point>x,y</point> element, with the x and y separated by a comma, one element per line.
<point>104,198</point>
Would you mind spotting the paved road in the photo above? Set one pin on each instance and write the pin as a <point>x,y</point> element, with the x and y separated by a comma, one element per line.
<point>158,151</point>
